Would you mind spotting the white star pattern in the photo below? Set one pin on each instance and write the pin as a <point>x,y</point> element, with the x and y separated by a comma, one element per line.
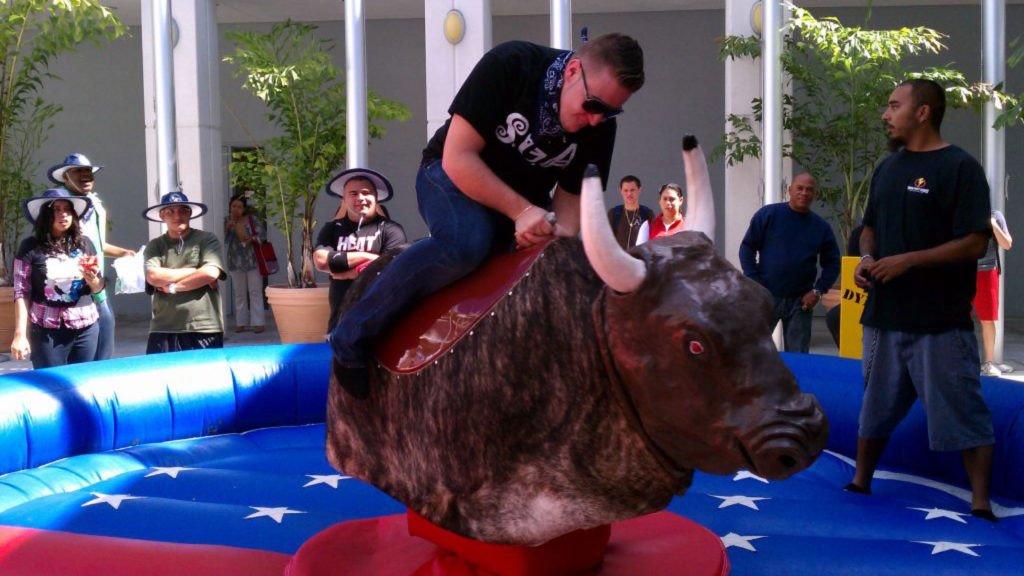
<point>276,514</point>
<point>934,513</point>
<point>733,539</point>
<point>748,501</point>
<point>331,480</point>
<point>939,547</point>
<point>747,475</point>
<point>171,471</point>
<point>113,499</point>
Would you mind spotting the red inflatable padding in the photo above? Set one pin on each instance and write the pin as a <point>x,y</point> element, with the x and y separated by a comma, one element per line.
<point>573,553</point>
<point>43,552</point>
<point>661,543</point>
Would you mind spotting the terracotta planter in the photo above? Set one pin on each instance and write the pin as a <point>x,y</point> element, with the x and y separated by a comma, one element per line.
<point>6,317</point>
<point>301,314</point>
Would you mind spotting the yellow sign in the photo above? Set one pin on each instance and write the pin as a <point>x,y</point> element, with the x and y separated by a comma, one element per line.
<point>851,305</point>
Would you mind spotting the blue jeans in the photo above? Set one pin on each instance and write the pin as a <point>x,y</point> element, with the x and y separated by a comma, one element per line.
<point>796,323</point>
<point>60,346</point>
<point>105,340</point>
<point>462,233</point>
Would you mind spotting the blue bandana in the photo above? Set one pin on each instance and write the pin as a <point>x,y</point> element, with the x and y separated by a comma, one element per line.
<point>548,124</point>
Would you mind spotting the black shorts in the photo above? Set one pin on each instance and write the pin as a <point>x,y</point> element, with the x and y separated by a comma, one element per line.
<point>160,342</point>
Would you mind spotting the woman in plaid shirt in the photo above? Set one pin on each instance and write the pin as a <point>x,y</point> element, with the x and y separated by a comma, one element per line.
<point>55,275</point>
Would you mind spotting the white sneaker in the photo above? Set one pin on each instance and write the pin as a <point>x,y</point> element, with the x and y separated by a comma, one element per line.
<point>987,369</point>
<point>1004,368</point>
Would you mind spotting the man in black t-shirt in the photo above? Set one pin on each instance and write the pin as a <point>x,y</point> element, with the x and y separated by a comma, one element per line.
<point>527,120</point>
<point>361,233</point>
<point>925,226</point>
<point>627,219</point>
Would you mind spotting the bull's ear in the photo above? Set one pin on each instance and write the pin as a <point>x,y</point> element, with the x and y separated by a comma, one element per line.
<point>620,271</point>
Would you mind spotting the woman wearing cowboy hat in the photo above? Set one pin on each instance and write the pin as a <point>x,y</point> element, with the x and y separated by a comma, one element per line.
<point>55,276</point>
<point>77,174</point>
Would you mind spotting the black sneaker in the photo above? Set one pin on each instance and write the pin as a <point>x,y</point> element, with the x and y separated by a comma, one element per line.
<point>354,379</point>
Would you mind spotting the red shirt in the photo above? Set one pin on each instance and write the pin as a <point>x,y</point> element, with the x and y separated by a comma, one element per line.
<point>658,228</point>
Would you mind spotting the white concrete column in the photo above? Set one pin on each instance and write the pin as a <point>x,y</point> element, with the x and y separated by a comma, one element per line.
<point>197,104</point>
<point>448,65</point>
<point>744,182</point>
<point>744,188</point>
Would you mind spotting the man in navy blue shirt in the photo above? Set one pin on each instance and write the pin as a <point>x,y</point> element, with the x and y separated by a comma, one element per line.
<point>781,251</point>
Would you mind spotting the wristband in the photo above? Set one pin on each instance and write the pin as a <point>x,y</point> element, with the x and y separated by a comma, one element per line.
<point>337,261</point>
<point>172,288</point>
<point>867,256</point>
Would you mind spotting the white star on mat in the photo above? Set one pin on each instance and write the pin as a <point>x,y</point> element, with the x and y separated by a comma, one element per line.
<point>938,547</point>
<point>748,501</point>
<point>734,539</point>
<point>331,480</point>
<point>276,514</point>
<point>113,499</point>
<point>934,513</point>
<point>171,471</point>
<point>745,474</point>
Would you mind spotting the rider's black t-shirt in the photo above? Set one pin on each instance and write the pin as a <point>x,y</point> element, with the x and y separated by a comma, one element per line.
<point>501,99</point>
<point>920,200</point>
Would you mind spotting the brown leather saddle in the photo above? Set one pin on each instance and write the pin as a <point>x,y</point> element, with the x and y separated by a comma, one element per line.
<point>440,320</point>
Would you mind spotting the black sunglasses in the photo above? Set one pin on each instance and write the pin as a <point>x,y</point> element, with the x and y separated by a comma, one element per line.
<point>593,104</point>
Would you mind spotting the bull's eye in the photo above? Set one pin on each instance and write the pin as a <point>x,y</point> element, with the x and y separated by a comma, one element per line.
<point>696,348</point>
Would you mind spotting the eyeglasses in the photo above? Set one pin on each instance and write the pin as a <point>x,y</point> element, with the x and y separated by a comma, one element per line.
<point>593,104</point>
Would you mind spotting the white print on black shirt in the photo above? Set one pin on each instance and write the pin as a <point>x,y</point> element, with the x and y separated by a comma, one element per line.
<point>516,126</point>
<point>353,243</point>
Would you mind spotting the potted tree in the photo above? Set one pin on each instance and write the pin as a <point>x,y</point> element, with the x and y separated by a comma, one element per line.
<point>32,34</point>
<point>289,69</point>
<point>841,78</point>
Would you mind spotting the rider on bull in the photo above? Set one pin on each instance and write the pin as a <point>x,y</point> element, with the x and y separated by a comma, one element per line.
<point>527,119</point>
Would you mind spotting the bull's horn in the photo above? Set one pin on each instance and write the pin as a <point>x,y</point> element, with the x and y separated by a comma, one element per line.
<point>616,268</point>
<point>700,204</point>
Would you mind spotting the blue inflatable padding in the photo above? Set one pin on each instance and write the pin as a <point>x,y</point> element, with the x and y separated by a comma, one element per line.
<point>215,447</point>
<point>838,385</point>
<point>54,413</point>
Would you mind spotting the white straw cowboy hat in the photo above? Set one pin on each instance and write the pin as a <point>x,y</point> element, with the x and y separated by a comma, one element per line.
<point>32,206</point>
<point>336,187</point>
<point>76,160</point>
<point>175,198</point>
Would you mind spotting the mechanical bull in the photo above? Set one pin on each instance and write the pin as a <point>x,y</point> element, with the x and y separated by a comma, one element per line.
<point>590,394</point>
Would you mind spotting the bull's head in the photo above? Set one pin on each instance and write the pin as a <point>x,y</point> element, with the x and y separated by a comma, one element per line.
<point>688,338</point>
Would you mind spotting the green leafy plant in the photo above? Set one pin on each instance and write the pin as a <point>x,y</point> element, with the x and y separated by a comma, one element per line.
<point>33,33</point>
<point>841,78</point>
<point>289,69</point>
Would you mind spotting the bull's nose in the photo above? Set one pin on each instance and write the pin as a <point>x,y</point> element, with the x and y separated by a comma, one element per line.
<point>791,441</point>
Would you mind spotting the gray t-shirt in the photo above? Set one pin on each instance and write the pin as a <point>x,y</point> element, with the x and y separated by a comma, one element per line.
<point>195,310</point>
